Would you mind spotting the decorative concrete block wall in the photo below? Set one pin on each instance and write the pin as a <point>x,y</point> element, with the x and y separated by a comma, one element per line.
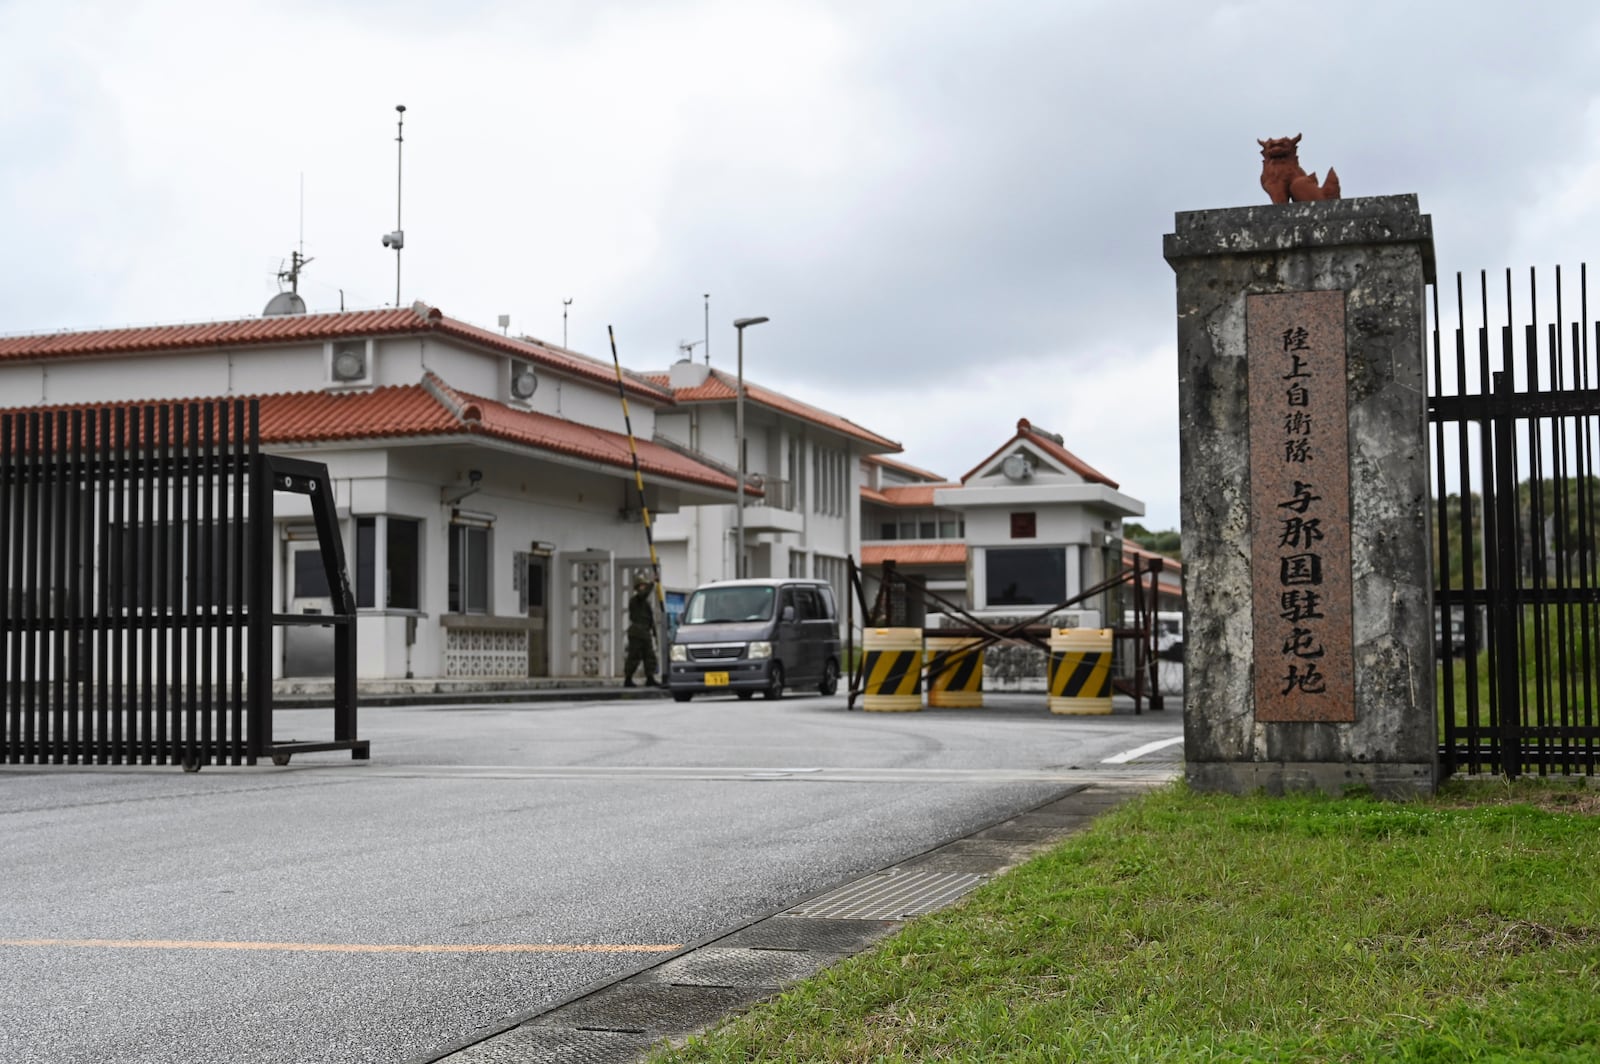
<point>1304,464</point>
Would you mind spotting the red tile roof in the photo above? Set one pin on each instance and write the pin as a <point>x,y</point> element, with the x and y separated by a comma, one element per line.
<point>434,409</point>
<point>720,387</point>
<point>946,552</point>
<point>1133,553</point>
<point>905,494</point>
<point>878,459</point>
<point>1047,444</point>
<point>417,319</point>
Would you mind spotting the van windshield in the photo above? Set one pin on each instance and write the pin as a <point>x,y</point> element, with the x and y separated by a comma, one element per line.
<point>721,605</point>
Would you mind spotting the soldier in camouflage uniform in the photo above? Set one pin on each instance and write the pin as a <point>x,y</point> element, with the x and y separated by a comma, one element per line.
<point>641,634</point>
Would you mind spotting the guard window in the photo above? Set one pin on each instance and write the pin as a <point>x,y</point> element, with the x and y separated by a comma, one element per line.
<point>469,569</point>
<point>310,578</point>
<point>1029,576</point>
<point>399,562</point>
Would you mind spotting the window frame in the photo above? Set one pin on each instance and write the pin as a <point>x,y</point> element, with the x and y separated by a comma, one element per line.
<point>381,549</point>
<point>459,575</point>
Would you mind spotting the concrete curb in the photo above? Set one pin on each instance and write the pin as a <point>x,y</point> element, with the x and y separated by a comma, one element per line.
<point>620,1018</point>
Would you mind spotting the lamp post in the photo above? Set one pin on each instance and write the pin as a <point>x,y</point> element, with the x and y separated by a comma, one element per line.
<point>738,434</point>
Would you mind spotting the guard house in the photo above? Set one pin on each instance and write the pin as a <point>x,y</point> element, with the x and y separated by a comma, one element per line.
<point>1029,526</point>
<point>484,483</point>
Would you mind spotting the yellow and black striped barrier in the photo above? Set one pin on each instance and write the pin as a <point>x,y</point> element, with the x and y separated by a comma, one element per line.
<point>955,672</point>
<point>892,669</point>
<point>1080,671</point>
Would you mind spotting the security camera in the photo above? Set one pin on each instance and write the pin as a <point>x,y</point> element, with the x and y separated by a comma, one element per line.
<point>396,239</point>
<point>474,475</point>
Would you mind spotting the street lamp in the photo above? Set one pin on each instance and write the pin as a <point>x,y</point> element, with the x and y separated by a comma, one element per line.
<point>738,434</point>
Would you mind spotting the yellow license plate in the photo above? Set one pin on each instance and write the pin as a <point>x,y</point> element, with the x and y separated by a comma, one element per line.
<point>716,679</point>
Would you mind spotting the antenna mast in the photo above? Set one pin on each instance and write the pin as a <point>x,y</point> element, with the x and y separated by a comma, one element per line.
<point>397,239</point>
<point>706,339</point>
<point>565,303</point>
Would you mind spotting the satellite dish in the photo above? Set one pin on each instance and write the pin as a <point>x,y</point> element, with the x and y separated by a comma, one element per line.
<point>284,303</point>
<point>1017,467</point>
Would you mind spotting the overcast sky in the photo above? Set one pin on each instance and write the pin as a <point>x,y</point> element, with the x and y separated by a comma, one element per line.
<point>952,212</point>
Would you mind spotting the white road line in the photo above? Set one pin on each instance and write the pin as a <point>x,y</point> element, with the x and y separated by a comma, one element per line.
<point>1139,751</point>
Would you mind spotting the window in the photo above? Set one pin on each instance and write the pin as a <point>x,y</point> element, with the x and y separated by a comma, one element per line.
<point>926,530</point>
<point>310,578</point>
<point>810,604</point>
<point>721,605</point>
<point>1026,576</point>
<point>400,562</point>
<point>1024,526</point>
<point>887,530</point>
<point>947,528</point>
<point>403,567</point>
<point>469,569</point>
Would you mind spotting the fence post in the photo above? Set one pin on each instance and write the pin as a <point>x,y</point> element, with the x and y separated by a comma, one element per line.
<point>1508,676</point>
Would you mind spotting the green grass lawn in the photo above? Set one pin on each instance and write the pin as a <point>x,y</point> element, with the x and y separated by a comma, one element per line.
<point>1206,928</point>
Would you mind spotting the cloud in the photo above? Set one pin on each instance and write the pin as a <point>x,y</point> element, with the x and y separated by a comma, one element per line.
<point>954,211</point>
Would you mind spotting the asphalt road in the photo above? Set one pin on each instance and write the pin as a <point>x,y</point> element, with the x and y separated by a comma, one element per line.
<point>487,861</point>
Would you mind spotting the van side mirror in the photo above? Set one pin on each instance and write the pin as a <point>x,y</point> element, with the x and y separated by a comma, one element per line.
<point>788,613</point>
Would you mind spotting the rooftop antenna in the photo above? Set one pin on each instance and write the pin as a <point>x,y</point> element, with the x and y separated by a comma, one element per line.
<point>686,349</point>
<point>565,303</point>
<point>290,302</point>
<point>397,239</point>
<point>706,339</point>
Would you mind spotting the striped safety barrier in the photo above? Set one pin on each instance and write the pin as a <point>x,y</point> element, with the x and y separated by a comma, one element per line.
<point>892,668</point>
<point>1080,671</point>
<point>955,672</point>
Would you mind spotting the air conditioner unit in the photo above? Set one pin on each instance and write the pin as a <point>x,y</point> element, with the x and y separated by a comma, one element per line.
<point>349,364</point>
<point>524,382</point>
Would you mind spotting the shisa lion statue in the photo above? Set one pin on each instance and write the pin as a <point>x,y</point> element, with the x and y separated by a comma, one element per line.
<point>1282,177</point>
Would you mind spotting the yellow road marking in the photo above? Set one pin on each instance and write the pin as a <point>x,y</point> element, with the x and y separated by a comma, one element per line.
<point>342,947</point>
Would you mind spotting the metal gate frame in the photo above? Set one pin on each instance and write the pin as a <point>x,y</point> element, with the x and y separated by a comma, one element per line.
<point>1526,580</point>
<point>136,623</point>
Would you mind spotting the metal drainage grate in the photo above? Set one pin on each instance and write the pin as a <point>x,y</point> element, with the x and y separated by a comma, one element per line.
<point>890,896</point>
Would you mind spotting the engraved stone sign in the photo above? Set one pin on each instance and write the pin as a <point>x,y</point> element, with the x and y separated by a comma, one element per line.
<point>1307,572</point>
<point>1300,507</point>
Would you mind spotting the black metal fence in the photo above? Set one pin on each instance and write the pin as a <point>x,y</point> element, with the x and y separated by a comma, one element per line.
<point>1514,414</point>
<point>136,623</point>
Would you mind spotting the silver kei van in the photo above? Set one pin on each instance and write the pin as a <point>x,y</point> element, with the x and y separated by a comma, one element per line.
<point>746,636</point>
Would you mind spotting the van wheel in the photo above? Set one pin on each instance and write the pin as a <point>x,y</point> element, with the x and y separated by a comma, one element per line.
<point>682,696</point>
<point>830,678</point>
<point>775,688</point>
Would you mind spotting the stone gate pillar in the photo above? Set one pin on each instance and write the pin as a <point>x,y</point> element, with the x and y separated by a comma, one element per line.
<point>1302,394</point>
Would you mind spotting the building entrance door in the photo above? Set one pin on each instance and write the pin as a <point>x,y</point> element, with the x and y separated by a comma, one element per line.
<point>306,651</point>
<point>536,584</point>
